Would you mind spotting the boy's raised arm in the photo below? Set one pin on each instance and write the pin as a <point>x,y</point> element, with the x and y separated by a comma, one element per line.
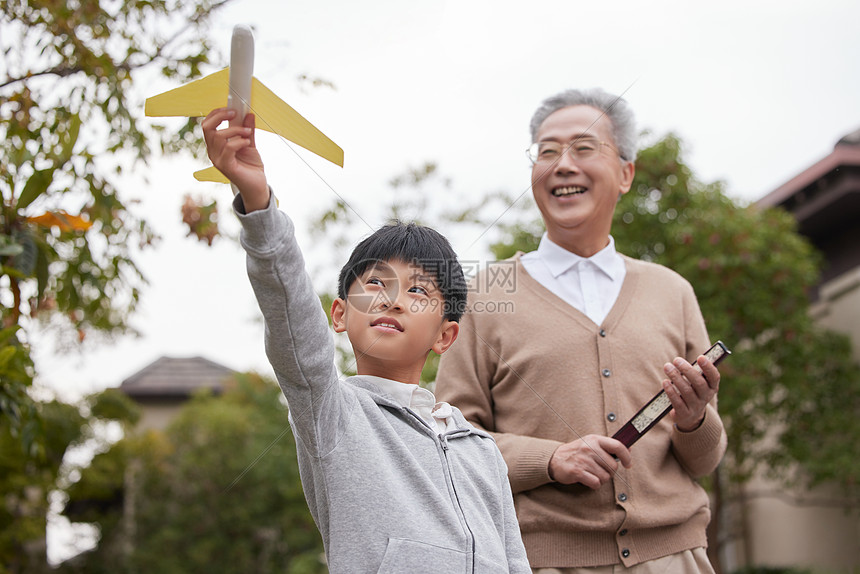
<point>299,344</point>
<point>234,152</point>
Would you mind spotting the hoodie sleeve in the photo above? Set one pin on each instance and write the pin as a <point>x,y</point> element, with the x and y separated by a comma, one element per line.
<point>514,547</point>
<point>298,341</point>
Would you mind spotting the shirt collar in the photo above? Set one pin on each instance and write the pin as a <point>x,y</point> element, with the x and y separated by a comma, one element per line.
<point>420,400</point>
<point>400,392</point>
<point>414,397</point>
<point>559,260</point>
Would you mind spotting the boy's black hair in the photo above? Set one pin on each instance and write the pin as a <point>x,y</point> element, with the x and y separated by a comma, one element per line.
<point>410,243</point>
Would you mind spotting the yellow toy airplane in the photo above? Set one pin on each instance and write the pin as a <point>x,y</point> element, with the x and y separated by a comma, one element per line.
<point>235,87</point>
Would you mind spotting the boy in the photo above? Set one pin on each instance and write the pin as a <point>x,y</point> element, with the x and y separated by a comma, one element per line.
<point>395,481</point>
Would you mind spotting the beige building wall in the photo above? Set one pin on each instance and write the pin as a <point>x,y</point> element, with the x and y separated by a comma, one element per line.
<point>815,529</point>
<point>839,307</point>
<point>156,415</point>
<point>811,529</point>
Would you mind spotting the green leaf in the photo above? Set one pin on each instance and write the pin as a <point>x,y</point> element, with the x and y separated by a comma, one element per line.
<point>6,353</point>
<point>35,186</point>
<point>42,275</point>
<point>69,139</point>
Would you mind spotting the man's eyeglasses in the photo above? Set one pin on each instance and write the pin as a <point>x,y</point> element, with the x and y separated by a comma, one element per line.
<point>582,149</point>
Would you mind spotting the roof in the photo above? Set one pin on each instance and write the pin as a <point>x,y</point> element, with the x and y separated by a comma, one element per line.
<point>824,199</point>
<point>176,378</point>
<point>845,153</point>
<point>825,196</point>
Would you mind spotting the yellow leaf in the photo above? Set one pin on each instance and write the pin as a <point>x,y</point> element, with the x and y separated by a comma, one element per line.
<point>65,221</point>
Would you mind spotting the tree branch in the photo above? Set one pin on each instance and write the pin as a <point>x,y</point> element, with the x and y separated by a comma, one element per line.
<point>65,70</point>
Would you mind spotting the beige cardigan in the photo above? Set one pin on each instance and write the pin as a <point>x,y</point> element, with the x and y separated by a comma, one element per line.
<point>536,373</point>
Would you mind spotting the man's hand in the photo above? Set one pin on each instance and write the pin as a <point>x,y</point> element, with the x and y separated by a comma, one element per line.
<point>590,460</point>
<point>233,151</point>
<point>690,391</point>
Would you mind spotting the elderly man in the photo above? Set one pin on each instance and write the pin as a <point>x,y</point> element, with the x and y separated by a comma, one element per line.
<point>583,341</point>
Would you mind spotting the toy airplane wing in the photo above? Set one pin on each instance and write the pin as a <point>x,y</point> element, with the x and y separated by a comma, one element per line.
<point>194,99</point>
<point>277,116</point>
<point>211,174</point>
<point>199,97</point>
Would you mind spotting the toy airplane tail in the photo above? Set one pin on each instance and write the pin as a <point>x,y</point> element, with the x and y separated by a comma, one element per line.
<point>201,96</point>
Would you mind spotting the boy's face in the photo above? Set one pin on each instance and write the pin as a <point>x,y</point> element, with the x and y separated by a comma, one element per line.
<point>394,316</point>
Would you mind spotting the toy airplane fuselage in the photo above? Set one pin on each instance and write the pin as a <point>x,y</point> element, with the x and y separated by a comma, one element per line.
<point>236,87</point>
<point>241,72</point>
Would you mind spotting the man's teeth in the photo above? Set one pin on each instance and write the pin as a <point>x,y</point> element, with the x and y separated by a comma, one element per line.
<point>565,191</point>
<point>389,325</point>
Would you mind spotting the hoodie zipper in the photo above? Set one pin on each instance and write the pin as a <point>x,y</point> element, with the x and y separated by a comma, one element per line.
<point>444,443</point>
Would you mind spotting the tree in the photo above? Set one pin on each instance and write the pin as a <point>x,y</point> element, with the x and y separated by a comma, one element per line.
<point>790,386</point>
<point>787,380</point>
<point>25,480</point>
<point>69,128</point>
<point>218,491</point>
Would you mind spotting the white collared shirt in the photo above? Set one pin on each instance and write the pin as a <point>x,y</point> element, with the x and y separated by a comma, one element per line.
<point>419,400</point>
<point>589,284</point>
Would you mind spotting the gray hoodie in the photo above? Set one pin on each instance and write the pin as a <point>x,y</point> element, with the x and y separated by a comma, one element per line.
<point>388,493</point>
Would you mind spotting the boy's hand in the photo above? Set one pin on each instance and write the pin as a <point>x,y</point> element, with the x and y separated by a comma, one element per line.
<point>233,151</point>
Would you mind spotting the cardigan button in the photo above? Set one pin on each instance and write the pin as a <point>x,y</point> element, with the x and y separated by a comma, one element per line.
<point>625,553</point>
<point>622,497</point>
<point>611,417</point>
<point>606,372</point>
<point>622,532</point>
<point>603,332</point>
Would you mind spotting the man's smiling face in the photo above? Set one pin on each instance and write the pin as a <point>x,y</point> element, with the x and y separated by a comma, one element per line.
<point>577,198</point>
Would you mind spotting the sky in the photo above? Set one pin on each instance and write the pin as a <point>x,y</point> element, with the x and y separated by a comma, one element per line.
<point>757,91</point>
